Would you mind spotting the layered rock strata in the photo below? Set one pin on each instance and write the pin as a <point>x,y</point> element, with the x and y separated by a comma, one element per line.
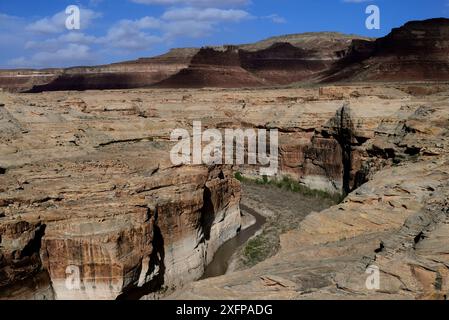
<point>86,183</point>
<point>388,239</point>
<point>278,60</point>
<point>92,208</point>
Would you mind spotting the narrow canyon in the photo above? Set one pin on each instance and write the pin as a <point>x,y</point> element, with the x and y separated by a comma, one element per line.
<point>92,207</point>
<point>87,184</point>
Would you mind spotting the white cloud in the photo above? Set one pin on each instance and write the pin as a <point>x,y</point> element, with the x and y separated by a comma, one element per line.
<point>131,35</point>
<point>46,42</point>
<point>9,22</point>
<point>12,36</point>
<point>127,35</point>
<point>74,54</point>
<point>60,41</point>
<point>142,23</point>
<point>195,23</point>
<point>275,18</point>
<point>210,14</point>
<point>37,50</point>
<point>135,34</point>
<point>196,3</point>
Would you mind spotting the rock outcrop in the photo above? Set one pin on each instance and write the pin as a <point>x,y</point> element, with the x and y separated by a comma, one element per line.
<point>86,186</point>
<point>388,239</point>
<point>92,208</point>
<point>213,68</point>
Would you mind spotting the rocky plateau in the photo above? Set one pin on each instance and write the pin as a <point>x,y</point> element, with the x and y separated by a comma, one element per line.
<point>91,207</point>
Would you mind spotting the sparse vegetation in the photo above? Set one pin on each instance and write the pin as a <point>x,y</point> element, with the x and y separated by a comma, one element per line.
<point>289,184</point>
<point>239,176</point>
<point>290,202</point>
<point>256,250</point>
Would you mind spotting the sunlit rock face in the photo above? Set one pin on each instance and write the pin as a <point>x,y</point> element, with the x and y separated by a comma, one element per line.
<point>87,188</point>
<point>94,209</point>
<point>117,238</point>
<point>387,239</point>
<point>167,245</point>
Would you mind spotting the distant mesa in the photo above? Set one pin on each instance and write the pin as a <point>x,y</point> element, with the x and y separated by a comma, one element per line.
<point>417,51</point>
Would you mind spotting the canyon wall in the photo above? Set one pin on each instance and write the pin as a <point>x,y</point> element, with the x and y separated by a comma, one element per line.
<point>392,228</point>
<point>321,133</point>
<point>91,192</point>
<point>88,188</point>
<point>86,183</point>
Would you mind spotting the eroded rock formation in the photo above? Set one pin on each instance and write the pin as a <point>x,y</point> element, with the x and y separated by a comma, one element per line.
<point>86,182</point>
<point>395,223</point>
<point>92,193</point>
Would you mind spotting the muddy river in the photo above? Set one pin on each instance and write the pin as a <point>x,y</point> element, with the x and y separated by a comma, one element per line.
<point>222,257</point>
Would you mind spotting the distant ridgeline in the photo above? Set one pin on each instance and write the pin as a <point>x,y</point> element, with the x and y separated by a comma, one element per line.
<point>414,52</point>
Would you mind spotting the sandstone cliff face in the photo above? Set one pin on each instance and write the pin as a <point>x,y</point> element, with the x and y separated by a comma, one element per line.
<point>23,80</point>
<point>321,134</point>
<point>395,223</point>
<point>85,181</point>
<point>90,191</point>
<point>283,63</point>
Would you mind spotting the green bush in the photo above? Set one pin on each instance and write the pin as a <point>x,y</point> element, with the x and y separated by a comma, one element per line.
<point>289,184</point>
<point>256,251</point>
<point>239,176</point>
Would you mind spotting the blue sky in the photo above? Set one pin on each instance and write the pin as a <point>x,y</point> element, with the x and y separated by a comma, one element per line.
<point>33,33</point>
